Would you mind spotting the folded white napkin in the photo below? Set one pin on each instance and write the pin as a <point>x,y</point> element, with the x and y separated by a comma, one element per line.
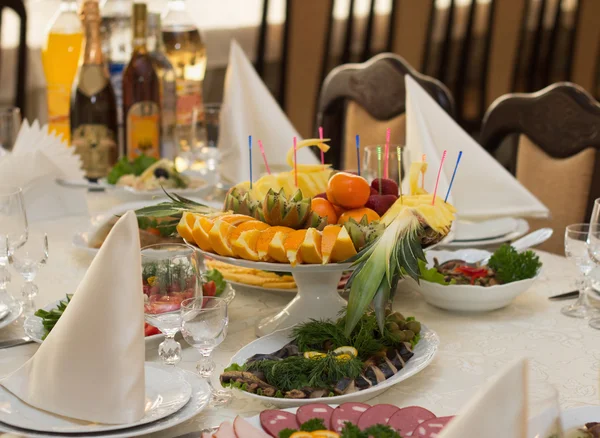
<point>482,187</point>
<point>497,411</point>
<point>91,366</point>
<point>37,159</point>
<point>250,109</point>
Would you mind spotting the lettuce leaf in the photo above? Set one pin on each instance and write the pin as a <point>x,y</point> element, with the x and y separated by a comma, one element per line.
<point>433,275</point>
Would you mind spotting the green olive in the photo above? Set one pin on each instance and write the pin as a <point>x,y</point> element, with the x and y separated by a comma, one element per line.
<point>398,336</point>
<point>409,334</point>
<point>392,326</point>
<point>414,326</point>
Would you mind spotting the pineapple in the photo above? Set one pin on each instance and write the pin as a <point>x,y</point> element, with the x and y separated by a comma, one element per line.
<point>412,223</point>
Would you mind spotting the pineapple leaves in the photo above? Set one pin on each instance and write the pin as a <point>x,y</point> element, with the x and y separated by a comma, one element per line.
<point>175,207</point>
<point>382,297</point>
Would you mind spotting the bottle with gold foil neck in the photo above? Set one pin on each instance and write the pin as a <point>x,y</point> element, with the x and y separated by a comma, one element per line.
<point>141,94</point>
<point>93,111</point>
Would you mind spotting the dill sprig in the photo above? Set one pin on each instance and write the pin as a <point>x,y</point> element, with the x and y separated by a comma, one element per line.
<point>313,335</point>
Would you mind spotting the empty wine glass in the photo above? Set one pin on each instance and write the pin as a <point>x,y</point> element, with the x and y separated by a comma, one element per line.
<point>27,261</point>
<point>13,225</point>
<point>170,275</point>
<point>204,327</point>
<point>593,246</point>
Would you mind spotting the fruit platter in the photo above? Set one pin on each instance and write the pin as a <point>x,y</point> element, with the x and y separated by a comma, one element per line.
<point>316,223</point>
<point>313,360</point>
<point>348,420</point>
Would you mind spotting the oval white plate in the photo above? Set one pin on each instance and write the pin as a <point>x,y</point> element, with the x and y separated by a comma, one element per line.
<point>167,391</point>
<point>424,351</point>
<point>198,401</point>
<point>522,229</point>
<point>15,309</point>
<point>468,298</point>
<point>484,230</point>
<point>570,419</point>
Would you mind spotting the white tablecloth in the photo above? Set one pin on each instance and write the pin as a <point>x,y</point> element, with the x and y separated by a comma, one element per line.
<point>563,351</point>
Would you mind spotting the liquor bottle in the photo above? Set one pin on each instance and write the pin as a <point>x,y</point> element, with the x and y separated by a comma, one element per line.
<point>186,51</point>
<point>93,103</point>
<point>168,93</point>
<point>141,93</point>
<point>116,45</point>
<point>60,58</point>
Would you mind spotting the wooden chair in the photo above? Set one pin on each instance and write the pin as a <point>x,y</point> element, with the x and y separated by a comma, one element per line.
<point>21,74</point>
<point>558,153</point>
<point>366,99</point>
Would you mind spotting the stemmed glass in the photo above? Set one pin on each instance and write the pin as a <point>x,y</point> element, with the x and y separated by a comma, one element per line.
<point>593,244</point>
<point>170,275</point>
<point>576,250</point>
<point>27,260</point>
<point>13,225</point>
<point>204,327</point>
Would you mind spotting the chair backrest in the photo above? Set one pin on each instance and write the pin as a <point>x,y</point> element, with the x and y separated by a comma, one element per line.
<point>364,99</point>
<point>21,68</point>
<point>558,155</point>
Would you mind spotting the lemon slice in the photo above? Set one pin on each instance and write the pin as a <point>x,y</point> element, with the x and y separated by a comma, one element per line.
<point>301,435</point>
<point>346,350</point>
<point>313,355</point>
<point>325,434</point>
<point>343,357</point>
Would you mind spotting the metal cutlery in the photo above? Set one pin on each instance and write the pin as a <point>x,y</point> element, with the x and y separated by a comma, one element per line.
<point>528,241</point>
<point>15,342</point>
<point>566,296</point>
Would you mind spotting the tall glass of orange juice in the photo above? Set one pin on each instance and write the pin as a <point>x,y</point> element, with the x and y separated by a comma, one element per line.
<point>60,58</point>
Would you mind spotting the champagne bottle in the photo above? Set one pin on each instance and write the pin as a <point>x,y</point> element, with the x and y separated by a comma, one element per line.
<point>141,94</point>
<point>168,93</point>
<point>93,104</point>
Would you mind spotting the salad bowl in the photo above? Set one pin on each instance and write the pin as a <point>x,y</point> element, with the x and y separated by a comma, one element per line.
<point>466,297</point>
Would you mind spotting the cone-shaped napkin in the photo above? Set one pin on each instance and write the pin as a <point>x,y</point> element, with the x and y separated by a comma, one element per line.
<point>91,366</point>
<point>250,109</point>
<point>498,411</point>
<point>482,187</point>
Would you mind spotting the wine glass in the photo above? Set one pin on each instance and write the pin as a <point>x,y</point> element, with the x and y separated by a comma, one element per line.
<point>373,166</point>
<point>543,411</point>
<point>593,245</point>
<point>10,122</point>
<point>27,260</point>
<point>170,275</point>
<point>13,225</point>
<point>576,251</point>
<point>204,327</point>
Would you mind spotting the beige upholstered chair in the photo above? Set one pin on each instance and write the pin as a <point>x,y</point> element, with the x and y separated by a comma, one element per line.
<point>558,156</point>
<point>366,99</point>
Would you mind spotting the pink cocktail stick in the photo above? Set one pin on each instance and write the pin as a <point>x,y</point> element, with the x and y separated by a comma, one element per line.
<point>386,155</point>
<point>295,163</point>
<point>262,151</point>
<point>321,138</point>
<point>437,181</point>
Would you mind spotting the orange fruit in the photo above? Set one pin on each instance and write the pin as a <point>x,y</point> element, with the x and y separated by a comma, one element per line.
<point>328,238</point>
<point>343,247</point>
<point>323,208</point>
<point>244,245</point>
<point>276,248</point>
<point>348,190</point>
<point>292,246</point>
<point>218,236</point>
<point>236,219</point>
<point>246,226</point>
<point>357,214</point>
<point>338,210</point>
<point>262,246</point>
<point>310,250</point>
<point>185,226</point>
<point>200,233</point>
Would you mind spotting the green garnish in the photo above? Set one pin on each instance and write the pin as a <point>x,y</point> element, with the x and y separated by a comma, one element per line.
<point>166,228</point>
<point>287,433</point>
<point>312,425</point>
<point>51,317</point>
<point>216,276</point>
<point>234,367</point>
<point>351,431</point>
<point>126,167</point>
<point>433,275</point>
<point>380,431</point>
<point>511,266</point>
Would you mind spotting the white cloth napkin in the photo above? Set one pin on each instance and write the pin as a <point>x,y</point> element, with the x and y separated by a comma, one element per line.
<point>250,109</point>
<point>497,411</point>
<point>91,366</point>
<point>482,188</point>
<point>37,159</point>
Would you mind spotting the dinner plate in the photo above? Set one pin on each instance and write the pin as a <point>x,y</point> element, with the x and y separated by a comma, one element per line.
<point>167,391</point>
<point>15,309</point>
<point>424,351</point>
<point>520,231</point>
<point>263,289</point>
<point>485,230</point>
<point>570,419</point>
<point>198,401</point>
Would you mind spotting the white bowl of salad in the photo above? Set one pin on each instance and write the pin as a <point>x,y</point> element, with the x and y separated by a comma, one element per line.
<point>455,280</point>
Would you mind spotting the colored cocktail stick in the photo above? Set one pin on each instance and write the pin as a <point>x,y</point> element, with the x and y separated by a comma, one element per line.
<point>399,153</point>
<point>262,151</point>
<point>322,153</point>
<point>423,159</point>
<point>250,155</point>
<point>379,167</point>
<point>437,180</point>
<point>295,162</point>
<point>358,153</point>
<point>387,153</point>
<point>453,175</point>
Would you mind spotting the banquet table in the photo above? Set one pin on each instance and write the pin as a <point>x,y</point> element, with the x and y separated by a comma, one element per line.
<point>563,351</point>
